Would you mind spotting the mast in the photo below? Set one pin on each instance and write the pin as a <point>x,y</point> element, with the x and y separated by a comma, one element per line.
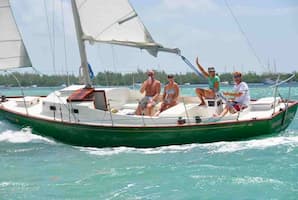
<point>81,43</point>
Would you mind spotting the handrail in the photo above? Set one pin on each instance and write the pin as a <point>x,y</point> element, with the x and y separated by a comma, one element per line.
<point>22,91</point>
<point>276,87</point>
<point>284,81</point>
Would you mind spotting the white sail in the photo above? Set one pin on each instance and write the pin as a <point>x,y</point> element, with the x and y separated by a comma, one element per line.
<point>13,53</point>
<point>116,22</point>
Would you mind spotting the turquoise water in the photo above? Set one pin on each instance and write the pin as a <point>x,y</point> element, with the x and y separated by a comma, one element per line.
<point>34,167</point>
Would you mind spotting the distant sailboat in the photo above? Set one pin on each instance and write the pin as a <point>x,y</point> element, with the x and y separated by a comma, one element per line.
<point>104,117</point>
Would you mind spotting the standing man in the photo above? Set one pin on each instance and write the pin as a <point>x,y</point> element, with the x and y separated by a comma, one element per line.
<point>151,87</point>
<point>213,83</point>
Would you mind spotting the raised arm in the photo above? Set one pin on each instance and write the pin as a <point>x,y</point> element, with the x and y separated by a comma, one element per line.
<point>206,74</point>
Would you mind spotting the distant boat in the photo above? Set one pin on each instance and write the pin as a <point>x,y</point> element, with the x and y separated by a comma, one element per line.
<point>268,81</point>
<point>84,115</point>
<point>187,84</point>
<point>224,83</point>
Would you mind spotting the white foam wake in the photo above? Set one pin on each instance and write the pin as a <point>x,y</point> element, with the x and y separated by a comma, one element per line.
<point>23,136</point>
<point>225,147</point>
<point>157,150</point>
<point>217,147</point>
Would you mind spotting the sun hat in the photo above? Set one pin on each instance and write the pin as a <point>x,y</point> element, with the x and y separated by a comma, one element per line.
<point>170,76</point>
<point>211,69</point>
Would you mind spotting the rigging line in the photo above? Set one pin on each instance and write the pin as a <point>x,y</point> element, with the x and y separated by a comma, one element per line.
<point>187,62</point>
<point>54,39</point>
<point>64,43</point>
<point>49,34</point>
<point>100,64</point>
<point>243,33</point>
<point>114,61</point>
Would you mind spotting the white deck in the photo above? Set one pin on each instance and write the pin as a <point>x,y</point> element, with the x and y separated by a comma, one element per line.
<point>123,103</point>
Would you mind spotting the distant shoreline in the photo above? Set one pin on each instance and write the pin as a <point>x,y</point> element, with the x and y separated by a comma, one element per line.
<point>136,78</point>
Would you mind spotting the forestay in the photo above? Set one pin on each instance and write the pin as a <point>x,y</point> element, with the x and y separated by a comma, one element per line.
<point>116,22</point>
<point>13,53</point>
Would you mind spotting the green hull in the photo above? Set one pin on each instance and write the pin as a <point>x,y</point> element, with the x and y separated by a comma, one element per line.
<point>106,136</point>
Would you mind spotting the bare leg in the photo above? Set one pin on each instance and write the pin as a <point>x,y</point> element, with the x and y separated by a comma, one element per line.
<point>149,109</point>
<point>200,93</point>
<point>224,112</point>
<point>162,108</point>
<point>139,110</point>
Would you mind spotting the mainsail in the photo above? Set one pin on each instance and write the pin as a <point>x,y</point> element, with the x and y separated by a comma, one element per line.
<point>13,53</point>
<point>116,22</point>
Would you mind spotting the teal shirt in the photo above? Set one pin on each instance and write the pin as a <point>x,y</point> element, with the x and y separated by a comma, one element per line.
<point>212,81</point>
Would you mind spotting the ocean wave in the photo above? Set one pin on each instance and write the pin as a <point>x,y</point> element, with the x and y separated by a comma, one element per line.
<point>256,180</point>
<point>212,148</point>
<point>23,136</point>
<point>12,184</point>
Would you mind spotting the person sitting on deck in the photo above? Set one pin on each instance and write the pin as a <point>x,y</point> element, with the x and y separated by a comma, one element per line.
<point>151,87</point>
<point>213,82</point>
<point>241,97</point>
<point>170,95</point>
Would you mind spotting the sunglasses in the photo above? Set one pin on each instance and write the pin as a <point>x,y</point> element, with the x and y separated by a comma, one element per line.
<point>237,76</point>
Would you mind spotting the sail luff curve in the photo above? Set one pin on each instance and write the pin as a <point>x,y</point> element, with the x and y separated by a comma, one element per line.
<point>116,22</point>
<point>13,53</point>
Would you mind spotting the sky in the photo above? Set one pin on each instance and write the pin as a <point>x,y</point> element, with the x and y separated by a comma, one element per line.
<point>264,37</point>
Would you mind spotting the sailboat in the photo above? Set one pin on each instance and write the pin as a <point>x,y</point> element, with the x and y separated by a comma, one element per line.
<point>83,115</point>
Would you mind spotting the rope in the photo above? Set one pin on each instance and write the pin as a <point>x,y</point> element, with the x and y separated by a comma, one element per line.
<point>64,44</point>
<point>49,34</point>
<point>54,39</point>
<point>188,63</point>
<point>244,34</point>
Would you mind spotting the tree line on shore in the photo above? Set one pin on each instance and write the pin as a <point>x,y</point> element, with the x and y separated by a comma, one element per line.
<point>109,78</point>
